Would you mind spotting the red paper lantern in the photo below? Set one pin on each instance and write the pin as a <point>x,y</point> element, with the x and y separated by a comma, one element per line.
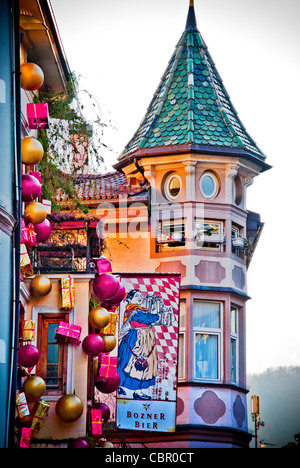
<point>93,345</point>
<point>105,286</point>
<point>108,385</point>
<point>43,230</point>
<point>31,188</point>
<point>28,356</point>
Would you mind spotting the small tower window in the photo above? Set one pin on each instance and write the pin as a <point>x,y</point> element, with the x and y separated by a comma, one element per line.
<point>209,185</point>
<point>173,186</point>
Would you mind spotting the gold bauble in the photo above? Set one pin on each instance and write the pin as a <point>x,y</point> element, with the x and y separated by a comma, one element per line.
<point>99,317</point>
<point>40,286</point>
<point>34,388</point>
<point>32,76</point>
<point>109,343</point>
<point>32,151</point>
<point>35,213</point>
<point>107,444</point>
<point>69,408</point>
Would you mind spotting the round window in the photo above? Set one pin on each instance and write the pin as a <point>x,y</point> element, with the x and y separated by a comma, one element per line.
<point>209,185</point>
<point>173,186</point>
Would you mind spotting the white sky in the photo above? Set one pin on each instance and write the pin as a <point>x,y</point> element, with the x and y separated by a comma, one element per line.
<point>122,48</point>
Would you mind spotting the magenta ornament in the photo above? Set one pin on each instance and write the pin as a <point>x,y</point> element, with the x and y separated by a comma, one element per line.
<point>31,188</point>
<point>119,297</point>
<point>105,286</point>
<point>28,356</point>
<point>93,345</point>
<point>79,443</point>
<point>104,410</point>
<point>108,385</point>
<point>43,230</point>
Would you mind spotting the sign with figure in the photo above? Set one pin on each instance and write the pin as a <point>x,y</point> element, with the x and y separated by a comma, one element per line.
<point>148,352</point>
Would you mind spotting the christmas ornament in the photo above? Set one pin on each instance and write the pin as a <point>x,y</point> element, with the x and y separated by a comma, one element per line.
<point>109,343</point>
<point>78,443</point>
<point>107,444</point>
<point>99,317</point>
<point>108,385</point>
<point>43,230</point>
<point>34,387</point>
<point>69,408</point>
<point>40,286</point>
<point>31,188</point>
<point>28,356</point>
<point>35,213</point>
<point>120,295</point>
<point>93,345</point>
<point>32,151</point>
<point>105,411</point>
<point>32,76</point>
<point>105,286</point>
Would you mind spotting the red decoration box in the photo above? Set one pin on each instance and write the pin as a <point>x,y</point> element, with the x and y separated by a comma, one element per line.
<point>25,437</point>
<point>68,333</point>
<point>108,367</point>
<point>38,115</point>
<point>96,421</point>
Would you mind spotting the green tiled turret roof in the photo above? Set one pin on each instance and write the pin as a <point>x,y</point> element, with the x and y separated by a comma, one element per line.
<point>191,105</point>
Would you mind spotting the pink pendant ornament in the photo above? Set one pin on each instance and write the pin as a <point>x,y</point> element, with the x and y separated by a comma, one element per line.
<point>93,345</point>
<point>105,286</point>
<point>104,409</point>
<point>28,356</point>
<point>78,443</point>
<point>31,188</point>
<point>119,296</point>
<point>43,230</point>
<point>37,115</point>
<point>108,385</point>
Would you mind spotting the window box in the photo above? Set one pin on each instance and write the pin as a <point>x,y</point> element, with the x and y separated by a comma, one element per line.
<point>238,242</point>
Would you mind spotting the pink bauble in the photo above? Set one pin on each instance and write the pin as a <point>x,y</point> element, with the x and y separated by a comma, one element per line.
<point>93,345</point>
<point>31,188</point>
<point>43,230</point>
<point>108,385</point>
<point>28,356</point>
<point>104,410</point>
<point>105,286</point>
<point>119,296</point>
<point>79,443</point>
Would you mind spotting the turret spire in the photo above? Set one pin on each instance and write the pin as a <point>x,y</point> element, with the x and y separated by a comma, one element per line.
<point>191,19</point>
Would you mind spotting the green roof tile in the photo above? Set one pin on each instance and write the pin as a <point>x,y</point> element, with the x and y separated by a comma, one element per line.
<point>191,104</point>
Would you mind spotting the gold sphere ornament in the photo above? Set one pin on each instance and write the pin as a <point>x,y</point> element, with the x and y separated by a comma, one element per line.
<point>107,444</point>
<point>34,388</point>
<point>35,213</point>
<point>32,151</point>
<point>32,76</point>
<point>69,408</point>
<point>109,343</point>
<point>40,286</point>
<point>99,317</point>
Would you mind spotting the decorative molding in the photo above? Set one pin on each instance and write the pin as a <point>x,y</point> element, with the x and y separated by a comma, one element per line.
<point>248,181</point>
<point>231,171</point>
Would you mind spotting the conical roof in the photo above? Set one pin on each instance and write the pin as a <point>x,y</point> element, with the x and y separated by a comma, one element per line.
<point>191,107</point>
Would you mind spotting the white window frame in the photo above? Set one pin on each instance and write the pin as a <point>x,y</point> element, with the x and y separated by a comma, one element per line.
<point>182,333</point>
<point>173,242</point>
<point>216,239</point>
<point>212,332</point>
<point>234,336</point>
<point>216,185</point>
<point>168,195</point>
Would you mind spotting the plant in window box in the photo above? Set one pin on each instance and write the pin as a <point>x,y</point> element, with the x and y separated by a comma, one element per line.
<point>238,242</point>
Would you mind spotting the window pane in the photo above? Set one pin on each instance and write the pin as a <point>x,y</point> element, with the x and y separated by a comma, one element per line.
<point>206,356</point>
<point>233,321</point>
<point>182,314</point>
<point>233,360</point>
<point>52,327</point>
<point>206,314</point>
<point>207,185</point>
<point>181,356</point>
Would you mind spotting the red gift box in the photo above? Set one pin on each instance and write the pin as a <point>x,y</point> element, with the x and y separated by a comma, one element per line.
<point>28,234</point>
<point>69,333</point>
<point>103,265</point>
<point>108,367</point>
<point>38,115</point>
<point>25,437</point>
<point>96,421</point>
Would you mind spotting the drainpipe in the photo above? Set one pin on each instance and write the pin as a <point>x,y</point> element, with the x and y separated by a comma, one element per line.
<point>17,230</point>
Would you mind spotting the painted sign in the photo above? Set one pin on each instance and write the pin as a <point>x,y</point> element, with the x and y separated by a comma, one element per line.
<point>148,352</point>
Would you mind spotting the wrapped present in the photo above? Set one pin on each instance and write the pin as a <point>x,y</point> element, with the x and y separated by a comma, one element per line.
<point>40,415</point>
<point>48,205</point>
<point>96,421</point>
<point>68,332</point>
<point>108,366</point>
<point>110,328</point>
<point>37,175</point>
<point>25,437</point>
<point>38,115</point>
<point>103,266</point>
<point>67,292</point>
<point>28,234</point>
<point>22,407</point>
<point>28,330</point>
<point>25,263</point>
